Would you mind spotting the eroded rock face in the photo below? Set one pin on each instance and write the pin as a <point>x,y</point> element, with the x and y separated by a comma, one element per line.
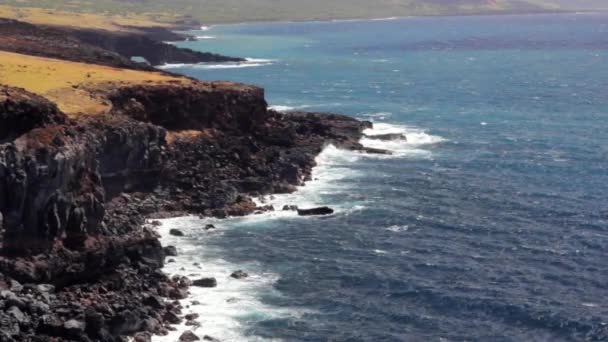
<point>225,106</point>
<point>22,111</point>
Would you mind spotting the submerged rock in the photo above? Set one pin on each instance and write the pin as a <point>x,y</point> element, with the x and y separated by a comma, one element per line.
<point>290,207</point>
<point>176,232</point>
<point>205,282</point>
<point>316,211</point>
<point>188,336</point>
<point>239,275</point>
<point>372,150</point>
<point>387,137</point>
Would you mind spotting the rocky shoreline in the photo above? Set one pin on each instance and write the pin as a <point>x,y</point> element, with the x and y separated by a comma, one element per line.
<point>77,262</point>
<point>102,47</point>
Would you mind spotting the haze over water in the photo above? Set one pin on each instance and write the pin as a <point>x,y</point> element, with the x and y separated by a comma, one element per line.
<point>489,223</point>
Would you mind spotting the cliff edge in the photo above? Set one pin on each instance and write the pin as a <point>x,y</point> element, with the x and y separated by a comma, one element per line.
<point>77,262</point>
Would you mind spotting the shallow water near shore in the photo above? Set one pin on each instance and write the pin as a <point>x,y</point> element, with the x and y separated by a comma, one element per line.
<point>490,222</point>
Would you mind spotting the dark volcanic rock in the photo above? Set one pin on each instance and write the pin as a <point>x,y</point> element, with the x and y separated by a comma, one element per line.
<point>315,211</point>
<point>176,232</point>
<point>387,137</point>
<point>170,251</point>
<point>205,282</point>
<point>225,106</point>
<point>145,45</point>
<point>99,46</point>
<point>22,111</point>
<point>239,275</point>
<point>188,336</point>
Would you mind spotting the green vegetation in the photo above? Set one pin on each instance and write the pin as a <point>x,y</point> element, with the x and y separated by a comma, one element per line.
<point>215,11</point>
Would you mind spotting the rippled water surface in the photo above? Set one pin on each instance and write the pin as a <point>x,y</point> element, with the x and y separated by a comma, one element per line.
<point>489,223</point>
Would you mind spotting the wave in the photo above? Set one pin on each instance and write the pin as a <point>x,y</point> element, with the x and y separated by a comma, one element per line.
<point>249,63</point>
<point>230,65</point>
<point>285,108</point>
<point>378,115</point>
<point>332,166</point>
<point>206,37</point>
<point>224,309</point>
<point>205,28</point>
<point>386,19</point>
<point>412,144</point>
<point>260,60</point>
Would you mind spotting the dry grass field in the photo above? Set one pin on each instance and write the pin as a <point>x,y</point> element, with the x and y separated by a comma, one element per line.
<point>69,84</point>
<point>105,21</point>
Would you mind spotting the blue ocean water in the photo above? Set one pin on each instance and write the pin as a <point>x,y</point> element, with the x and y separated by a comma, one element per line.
<point>489,224</point>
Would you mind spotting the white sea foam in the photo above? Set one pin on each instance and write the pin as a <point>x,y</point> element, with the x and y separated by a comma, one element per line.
<point>378,115</point>
<point>205,37</point>
<point>228,309</point>
<point>413,144</point>
<point>173,65</point>
<point>386,19</point>
<point>397,229</point>
<point>286,108</point>
<point>205,28</point>
<point>260,60</point>
<point>333,165</point>
<point>249,63</point>
<point>229,65</point>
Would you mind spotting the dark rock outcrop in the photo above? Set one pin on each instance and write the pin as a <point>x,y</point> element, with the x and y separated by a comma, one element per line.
<point>205,282</point>
<point>239,274</point>
<point>52,42</point>
<point>21,111</point>
<point>188,336</point>
<point>99,46</point>
<point>156,52</point>
<point>387,137</point>
<point>316,211</point>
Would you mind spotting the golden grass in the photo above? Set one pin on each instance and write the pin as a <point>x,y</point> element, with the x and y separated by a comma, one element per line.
<point>69,84</point>
<point>173,136</point>
<point>85,20</point>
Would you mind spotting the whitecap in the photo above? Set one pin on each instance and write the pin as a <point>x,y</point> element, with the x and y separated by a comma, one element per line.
<point>205,28</point>
<point>286,108</point>
<point>413,144</point>
<point>229,65</point>
<point>397,228</point>
<point>385,19</point>
<point>378,115</point>
<point>173,65</point>
<point>260,60</point>
<point>206,37</point>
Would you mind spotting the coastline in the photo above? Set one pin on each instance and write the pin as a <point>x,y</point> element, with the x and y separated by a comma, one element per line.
<point>86,239</point>
<point>210,24</point>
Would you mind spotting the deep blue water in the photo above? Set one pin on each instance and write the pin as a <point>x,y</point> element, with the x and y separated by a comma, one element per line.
<point>490,224</point>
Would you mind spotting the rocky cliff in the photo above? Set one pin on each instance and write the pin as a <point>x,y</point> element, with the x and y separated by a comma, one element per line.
<point>100,47</point>
<point>77,262</point>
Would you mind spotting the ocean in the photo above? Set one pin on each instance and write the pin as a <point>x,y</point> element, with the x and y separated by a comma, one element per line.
<point>490,223</point>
